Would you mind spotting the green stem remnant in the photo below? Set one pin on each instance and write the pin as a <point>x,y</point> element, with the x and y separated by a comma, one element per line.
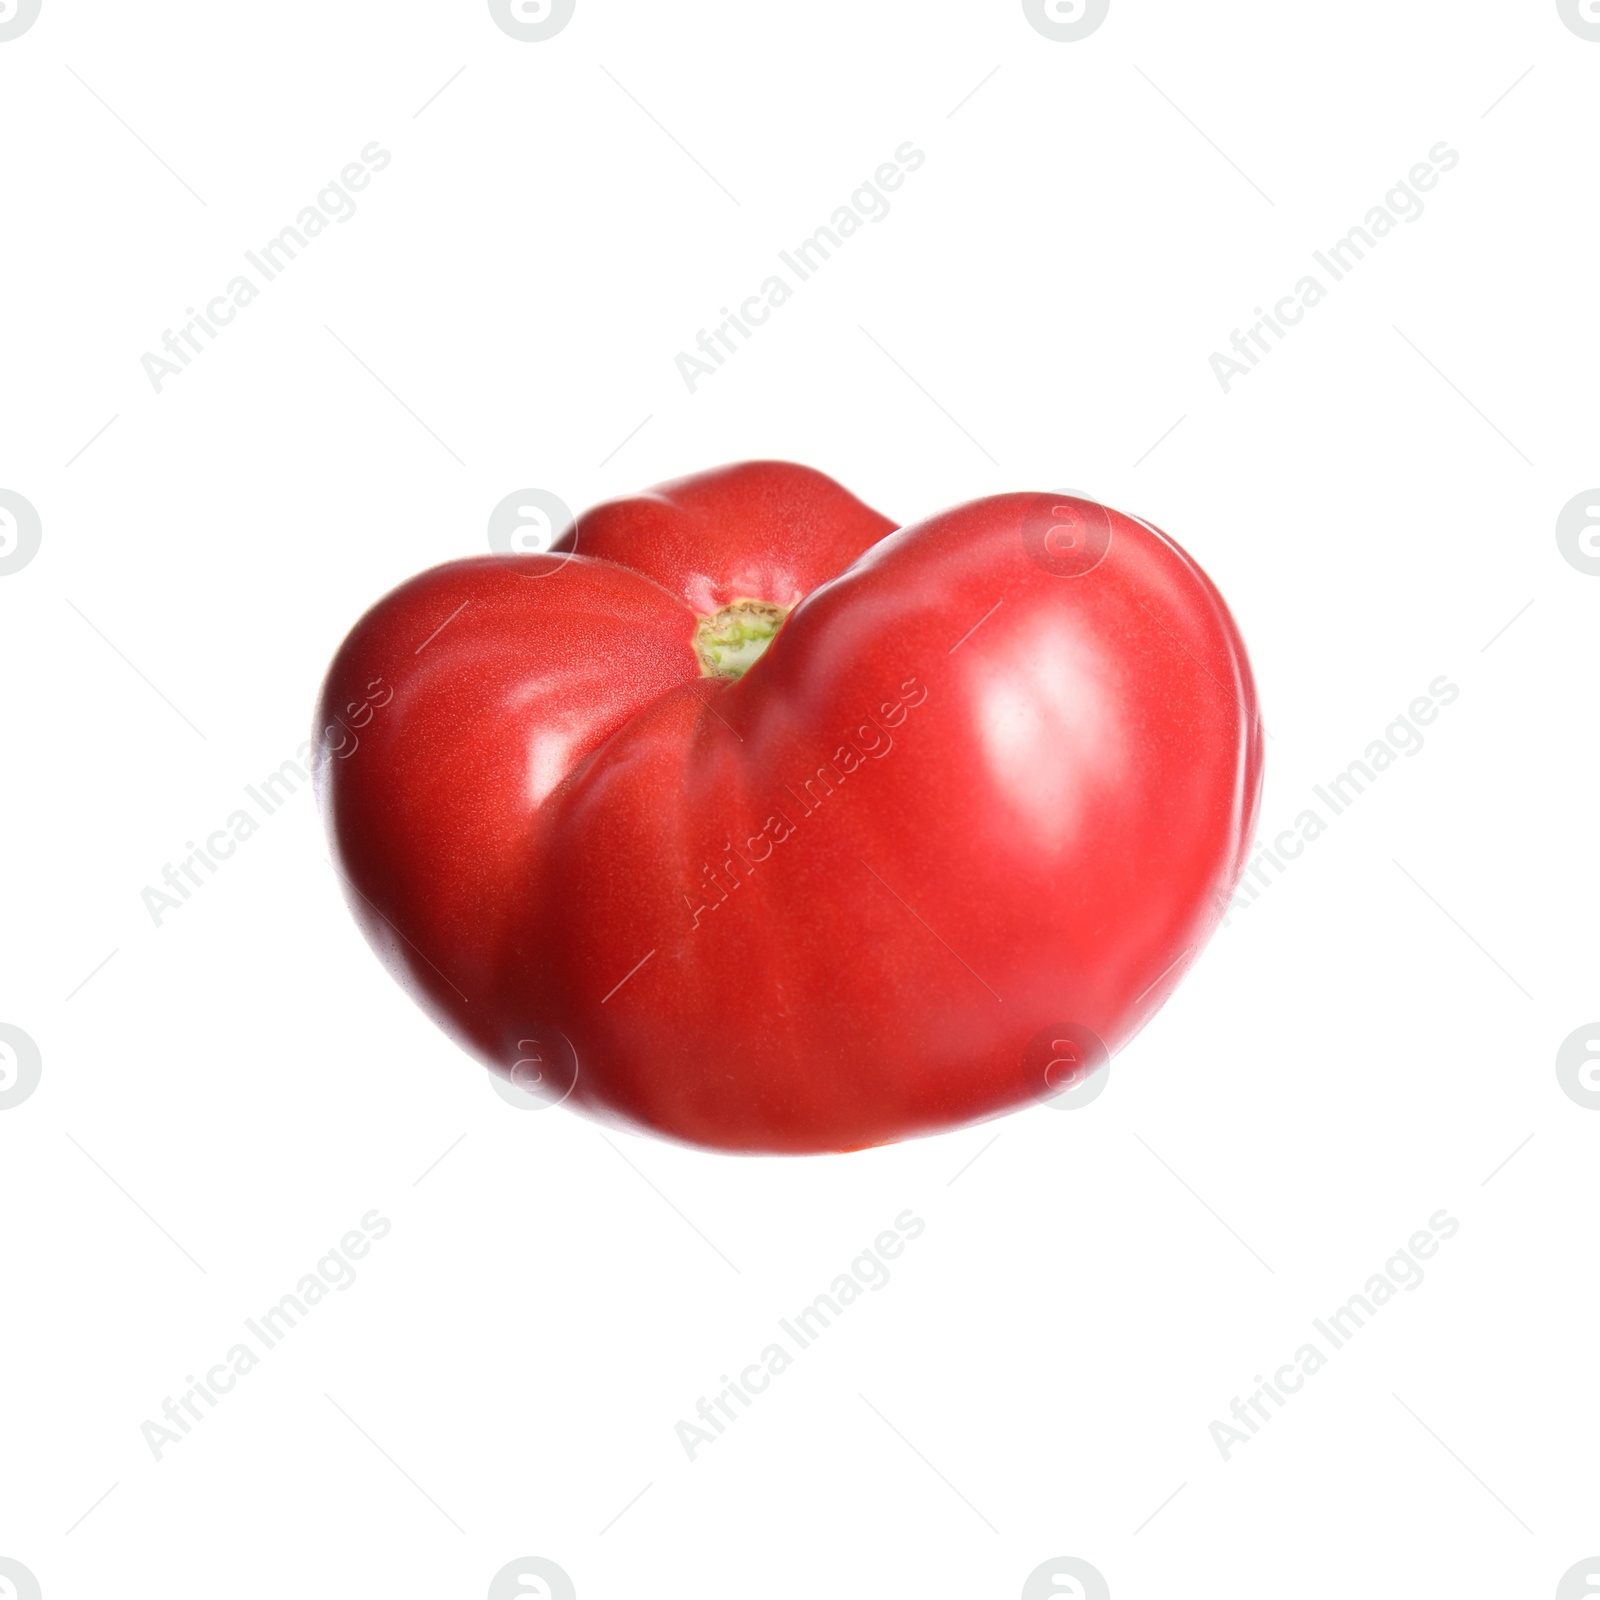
<point>732,641</point>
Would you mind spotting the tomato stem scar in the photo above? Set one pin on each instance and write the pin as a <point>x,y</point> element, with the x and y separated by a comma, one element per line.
<point>732,640</point>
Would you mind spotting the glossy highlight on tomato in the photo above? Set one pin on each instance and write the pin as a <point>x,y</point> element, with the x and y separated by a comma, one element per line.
<point>744,817</point>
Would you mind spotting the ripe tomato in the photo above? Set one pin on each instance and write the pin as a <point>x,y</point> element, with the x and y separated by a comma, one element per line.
<point>742,817</point>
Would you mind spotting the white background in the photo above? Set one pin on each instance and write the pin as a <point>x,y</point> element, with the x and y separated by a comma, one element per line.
<point>228,1093</point>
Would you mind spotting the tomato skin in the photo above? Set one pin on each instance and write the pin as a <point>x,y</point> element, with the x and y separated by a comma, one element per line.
<point>756,530</point>
<point>973,790</point>
<point>503,671</point>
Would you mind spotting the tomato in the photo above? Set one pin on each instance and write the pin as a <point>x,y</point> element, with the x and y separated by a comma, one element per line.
<point>742,817</point>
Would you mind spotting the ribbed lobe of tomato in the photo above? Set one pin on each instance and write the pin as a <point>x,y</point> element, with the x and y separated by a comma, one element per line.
<point>757,530</point>
<point>506,671</point>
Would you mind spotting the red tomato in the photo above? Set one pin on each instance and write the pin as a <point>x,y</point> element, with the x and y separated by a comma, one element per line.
<point>914,860</point>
